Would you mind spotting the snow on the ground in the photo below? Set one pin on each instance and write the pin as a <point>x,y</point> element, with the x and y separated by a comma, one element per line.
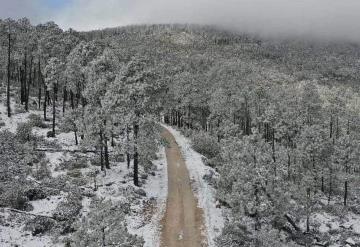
<point>146,213</point>
<point>11,237</point>
<point>47,206</point>
<point>55,159</point>
<point>353,221</point>
<point>66,140</point>
<point>326,222</point>
<point>156,187</point>
<point>337,226</point>
<point>85,206</point>
<point>16,118</point>
<point>205,193</point>
<point>13,234</point>
<point>144,219</point>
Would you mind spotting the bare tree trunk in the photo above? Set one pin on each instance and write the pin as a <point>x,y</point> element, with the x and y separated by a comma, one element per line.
<point>218,130</point>
<point>101,152</point>
<point>27,92</point>
<point>22,86</point>
<point>331,127</point>
<point>46,92</point>
<point>128,159</point>
<point>107,163</point>
<point>337,128</point>
<point>54,112</point>
<point>72,99</point>
<point>64,99</point>
<point>48,98</point>
<point>330,185</point>
<point>34,74</point>
<point>188,118</point>
<point>345,193</point>
<point>76,138</point>
<point>103,237</point>
<point>39,83</point>
<point>247,118</point>
<point>56,86</point>
<point>8,77</point>
<point>273,150</point>
<point>179,119</point>
<point>112,139</point>
<point>308,211</point>
<point>136,154</point>
<point>95,184</point>
<point>257,205</point>
<point>289,165</point>
<point>25,81</point>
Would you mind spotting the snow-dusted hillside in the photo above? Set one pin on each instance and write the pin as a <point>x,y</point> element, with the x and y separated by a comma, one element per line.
<point>147,203</point>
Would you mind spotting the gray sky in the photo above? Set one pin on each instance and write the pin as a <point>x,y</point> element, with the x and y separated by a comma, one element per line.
<point>327,19</point>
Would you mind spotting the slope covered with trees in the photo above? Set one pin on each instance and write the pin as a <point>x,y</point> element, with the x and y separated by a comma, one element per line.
<point>278,119</point>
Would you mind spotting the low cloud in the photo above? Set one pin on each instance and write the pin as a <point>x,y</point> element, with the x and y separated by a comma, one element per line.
<point>324,19</point>
<point>328,19</point>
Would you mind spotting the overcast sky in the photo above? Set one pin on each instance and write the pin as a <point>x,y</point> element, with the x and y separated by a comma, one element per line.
<point>328,19</point>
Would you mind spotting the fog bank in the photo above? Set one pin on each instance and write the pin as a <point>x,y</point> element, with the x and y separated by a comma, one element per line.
<point>324,19</point>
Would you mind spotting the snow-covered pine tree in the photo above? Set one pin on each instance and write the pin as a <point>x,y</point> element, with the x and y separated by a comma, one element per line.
<point>105,225</point>
<point>135,93</point>
<point>53,73</point>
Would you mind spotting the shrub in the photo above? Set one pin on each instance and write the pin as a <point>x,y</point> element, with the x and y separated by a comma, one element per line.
<point>50,134</point>
<point>14,158</point>
<point>69,209</point>
<point>43,172</point>
<point>119,157</point>
<point>355,208</point>
<point>213,162</point>
<point>79,181</point>
<point>74,173</point>
<point>24,132</point>
<point>34,105</point>
<point>36,121</point>
<point>39,225</point>
<point>17,200</point>
<point>76,163</point>
<point>35,194</point>
<point>205,144</point>
<point>12,195</point>
<point>235,233</point>
<point>188,132</point>
<point>90,230</point>
<point>57,183</point>
<point>19,109</point>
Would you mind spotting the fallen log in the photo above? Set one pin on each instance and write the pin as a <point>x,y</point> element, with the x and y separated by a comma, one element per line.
<point>292,222</point>
<point>28,213</point>
<point>52,150</point>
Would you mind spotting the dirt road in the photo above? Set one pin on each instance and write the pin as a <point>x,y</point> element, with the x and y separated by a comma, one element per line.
<point>183,221</point>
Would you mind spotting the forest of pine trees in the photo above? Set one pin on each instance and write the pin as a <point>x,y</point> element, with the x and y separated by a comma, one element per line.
<point>277,119</point>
